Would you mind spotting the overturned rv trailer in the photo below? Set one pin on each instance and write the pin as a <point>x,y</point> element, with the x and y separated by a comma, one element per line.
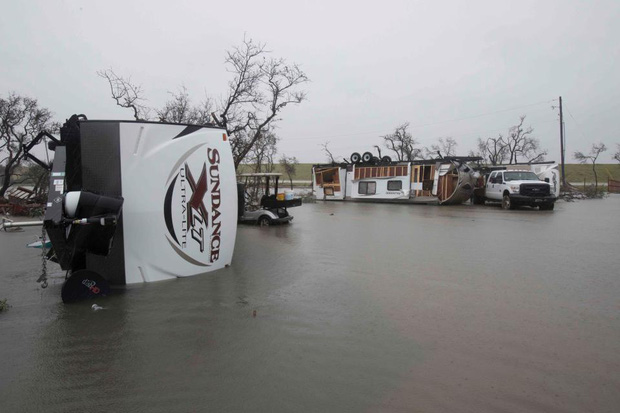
<point>445,181</point>
<point>132,202</point>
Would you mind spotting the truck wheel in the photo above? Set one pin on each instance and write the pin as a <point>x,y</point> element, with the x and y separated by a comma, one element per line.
<point>264,221</point>
<point>547,207</point>
<point>367,157</point>
<point>386,159</point>
<point>507,203</point>
<point>355,157</point>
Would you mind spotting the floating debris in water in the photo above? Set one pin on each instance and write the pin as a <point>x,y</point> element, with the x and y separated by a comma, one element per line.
<point>96,307</point>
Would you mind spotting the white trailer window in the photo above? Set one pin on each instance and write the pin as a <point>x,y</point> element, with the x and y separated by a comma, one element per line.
<point>394,185</point>
<point>367,188</point>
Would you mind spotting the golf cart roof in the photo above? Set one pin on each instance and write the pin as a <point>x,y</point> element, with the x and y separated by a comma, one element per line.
<point>261,174</point>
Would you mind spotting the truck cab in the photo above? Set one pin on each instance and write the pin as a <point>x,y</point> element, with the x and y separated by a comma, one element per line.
<point>514,188</point>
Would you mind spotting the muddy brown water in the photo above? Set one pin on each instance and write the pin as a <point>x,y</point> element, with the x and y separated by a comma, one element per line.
<point>358,308</point>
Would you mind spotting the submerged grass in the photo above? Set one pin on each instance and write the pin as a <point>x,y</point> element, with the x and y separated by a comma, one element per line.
<point>4,305</point>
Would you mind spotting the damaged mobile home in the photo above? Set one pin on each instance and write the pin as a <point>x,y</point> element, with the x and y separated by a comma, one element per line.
<point>446,181</point>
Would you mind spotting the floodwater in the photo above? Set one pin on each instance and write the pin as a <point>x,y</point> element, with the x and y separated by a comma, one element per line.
<point>352,308</point>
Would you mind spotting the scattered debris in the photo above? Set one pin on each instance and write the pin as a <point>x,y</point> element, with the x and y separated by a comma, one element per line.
<point>4,305</point>
<point>571,193</point>
<point>254,313</point>
<point>95,307</point>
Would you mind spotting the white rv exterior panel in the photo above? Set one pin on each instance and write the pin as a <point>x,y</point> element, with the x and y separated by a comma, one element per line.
<point>180,200</point>
<point>382,191</point>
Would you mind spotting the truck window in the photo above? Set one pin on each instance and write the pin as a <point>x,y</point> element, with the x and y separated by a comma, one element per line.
<point>520,176</point>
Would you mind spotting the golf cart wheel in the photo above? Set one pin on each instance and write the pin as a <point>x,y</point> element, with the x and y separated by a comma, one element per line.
<point>386,159</point>
<point>367,157</point>
<point>84,284</point>
<point>507,202</point>
<point>355,157</point>
<point>264,221</point>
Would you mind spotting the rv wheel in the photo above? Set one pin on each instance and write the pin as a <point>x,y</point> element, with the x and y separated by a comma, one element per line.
<point>355,157</point>
<point>84,284</point>
<point>386,159</point>
<point>367,157</point>
<point>264,221</point>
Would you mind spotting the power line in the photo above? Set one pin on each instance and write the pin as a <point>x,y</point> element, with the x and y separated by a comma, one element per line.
<point>427,124</point>
<point>472,134</point>
<point>576,123</point>
<point>484,114</point>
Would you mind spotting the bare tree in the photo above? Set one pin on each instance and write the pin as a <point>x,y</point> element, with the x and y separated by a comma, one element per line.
<point>617,154</point>
<point>378,148</point>
<point>493,150</point>
<point>21,119</point>
<point>327,152</point>
<point>595,151</point>
<point>262,154</point>
<point>443,147</point>
<point>520,143</point>
<point>260,88</point>
<point>261,159</point>
<point>179,109</point>
<point>258,92</point>
<point>126,94</point>
<point>289,164</point>
<point>401,142</point>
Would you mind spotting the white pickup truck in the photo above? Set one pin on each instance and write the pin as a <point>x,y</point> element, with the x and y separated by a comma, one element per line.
<point>515,188</point>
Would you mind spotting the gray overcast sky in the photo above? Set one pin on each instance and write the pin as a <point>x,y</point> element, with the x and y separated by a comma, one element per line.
<point>373,65</point>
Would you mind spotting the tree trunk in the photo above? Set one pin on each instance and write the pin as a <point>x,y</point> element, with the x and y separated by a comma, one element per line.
<point>595,177</point>
<point>6,180</point>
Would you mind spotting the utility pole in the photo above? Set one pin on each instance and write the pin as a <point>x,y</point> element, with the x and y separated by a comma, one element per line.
<point>562,143</point>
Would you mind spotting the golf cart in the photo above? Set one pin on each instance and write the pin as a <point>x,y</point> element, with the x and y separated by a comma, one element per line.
<point>258,205</point>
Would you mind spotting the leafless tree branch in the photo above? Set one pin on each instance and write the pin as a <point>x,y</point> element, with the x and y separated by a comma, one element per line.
<point>330,156</point>
<point>595,152</point>
<point>126,93</point>
<point>289,164</point>
<point>21,119</point>
<point>259,90</point>
<point>443,147</point>
<point>402,143</point>
<point>520,143</point>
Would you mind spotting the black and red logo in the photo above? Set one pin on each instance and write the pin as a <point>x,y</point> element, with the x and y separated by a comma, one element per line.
<point>192,206</point>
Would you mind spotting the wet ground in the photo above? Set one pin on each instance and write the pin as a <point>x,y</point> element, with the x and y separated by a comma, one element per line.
<point>352,308</point>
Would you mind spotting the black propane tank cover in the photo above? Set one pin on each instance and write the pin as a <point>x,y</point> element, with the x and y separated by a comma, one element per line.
<point>84,284</point>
